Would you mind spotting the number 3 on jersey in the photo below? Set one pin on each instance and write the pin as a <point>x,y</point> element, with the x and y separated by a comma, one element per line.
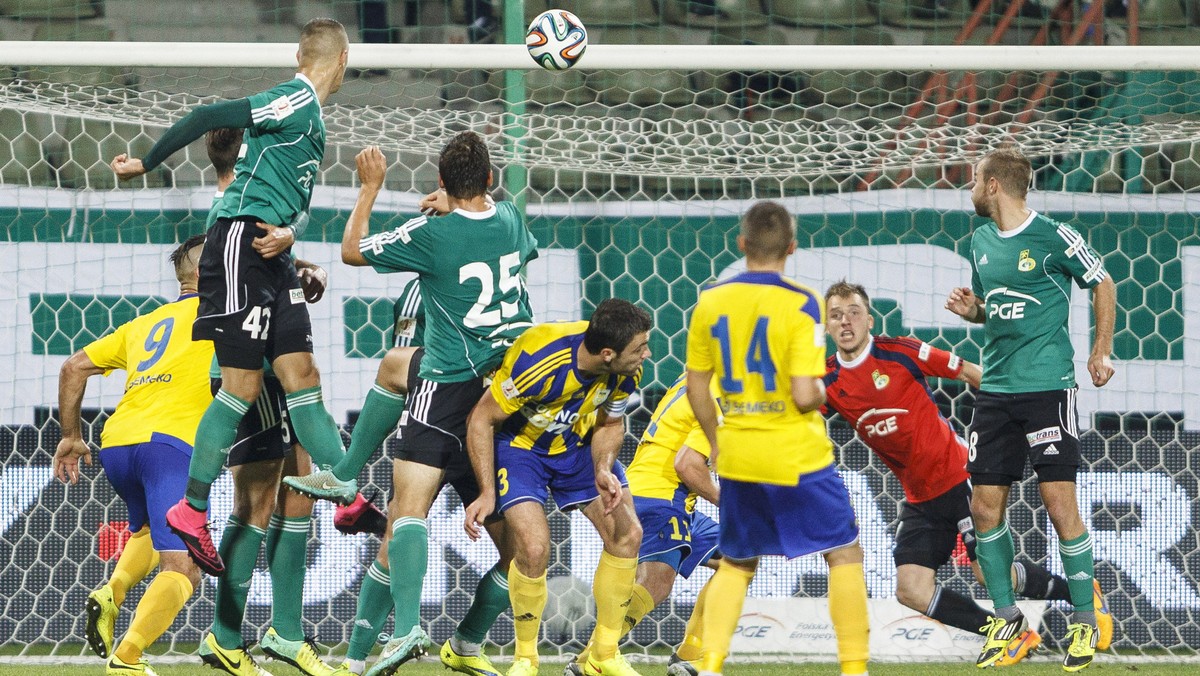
<point>510,280</point>
<point>758,356</point>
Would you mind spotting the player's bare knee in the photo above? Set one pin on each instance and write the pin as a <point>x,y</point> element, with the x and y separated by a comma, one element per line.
<point>532,557</point>
<point>851,553</point>
<point>297,371</point>
<point>393,369</point>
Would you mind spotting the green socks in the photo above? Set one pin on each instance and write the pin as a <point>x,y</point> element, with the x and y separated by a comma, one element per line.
<point>314,427</point>
<point>996,552</point>
<point>287,554</point>
<point>214,436</point>
<point>491,599</point>
<point>1079,568</point>
<point>378,419</point>
<point>239,549</point>
<point>374,606</point>
<point>408,556</point>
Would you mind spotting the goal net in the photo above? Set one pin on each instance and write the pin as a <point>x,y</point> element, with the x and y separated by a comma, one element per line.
<point>633,180</point>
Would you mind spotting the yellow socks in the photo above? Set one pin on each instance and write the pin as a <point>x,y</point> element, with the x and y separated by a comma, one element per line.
<point>612,587</point>
<point>138,559</point>
<point>640,605</point>
<point>693,634</point>
<point>848,610</point>
<point>528,596</point>
<point>722,608</point>
<point>163,600</point>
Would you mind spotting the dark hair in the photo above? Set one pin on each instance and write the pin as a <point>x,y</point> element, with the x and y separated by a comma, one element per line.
<point>464,165</point>
<point>614,324</point>
<point>223,146</point>
<point>1010,168</point>
<point>183,263</point>
<point>844,289</point>
<point>767,231</point>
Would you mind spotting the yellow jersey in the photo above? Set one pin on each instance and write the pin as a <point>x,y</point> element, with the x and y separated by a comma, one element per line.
<point>754,332</point>
<point>552,405</point>
<point>673,426</point>
<point>166,382</point>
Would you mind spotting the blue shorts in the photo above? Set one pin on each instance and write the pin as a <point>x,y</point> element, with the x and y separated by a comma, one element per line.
<point>523,476</point>
<point>685,544</point>
<point>150,477</point>
<point>763,519</point>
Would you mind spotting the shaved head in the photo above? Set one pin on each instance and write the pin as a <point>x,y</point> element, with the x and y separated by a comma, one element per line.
<point>322,41</point>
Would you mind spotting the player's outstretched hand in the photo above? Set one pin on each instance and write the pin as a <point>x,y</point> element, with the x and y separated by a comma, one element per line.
<point>610,490</point>
<point>436,203</point>
<point>372,167</point>
<point>276,241</point>
<point>126,167</point>
<point>1101,369</point>
<point>66,459</point>
<point>962,302</point>
<point>478,512</point>
<point>314,281</point>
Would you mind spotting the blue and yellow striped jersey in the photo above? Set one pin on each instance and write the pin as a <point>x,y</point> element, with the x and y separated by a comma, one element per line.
<point>166,386</point>
<point>552,404</point>
<point>673,426</point>
<point>754,332</point>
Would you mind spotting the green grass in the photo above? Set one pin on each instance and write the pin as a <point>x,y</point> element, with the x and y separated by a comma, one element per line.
<point>1044,665</point>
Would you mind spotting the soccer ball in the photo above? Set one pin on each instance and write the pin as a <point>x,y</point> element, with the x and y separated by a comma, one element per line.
<point>556,39</point>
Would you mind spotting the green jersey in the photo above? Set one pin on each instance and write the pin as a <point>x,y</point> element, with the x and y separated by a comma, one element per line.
<point>408,317</point>
<point>470,270</point>
<point>1024,278</point>
<point>280,157</point>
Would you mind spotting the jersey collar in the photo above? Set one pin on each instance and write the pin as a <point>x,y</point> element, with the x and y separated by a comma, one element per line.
<point>186,296</point>
<point>1020,228</point>
<point>477,215</point>
<point>862,357</point>
<point>304,78</point>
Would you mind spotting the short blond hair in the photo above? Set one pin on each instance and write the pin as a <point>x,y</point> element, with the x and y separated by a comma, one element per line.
<point>322,40</point>
<point>767,231</point>
<point>1010,168</point>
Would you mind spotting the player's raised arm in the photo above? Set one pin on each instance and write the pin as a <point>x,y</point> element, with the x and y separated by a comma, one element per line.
<point>372,169</point>
<point>1104,309</point>
<point>234,113</point>
<point>72,383</point>
<point>485,418</point>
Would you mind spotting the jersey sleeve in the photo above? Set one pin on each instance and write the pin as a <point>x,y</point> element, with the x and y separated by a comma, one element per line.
<point>931,360</point>
<point>403,249</point>
<point>520,381</point>
<point>275,109</point>
<point>618,401</point>
<point>408,317</point>
<point>699,347</point>
<point>1074,257</point>
<point>698,441</point>
<point>976,282</point>
<point>806,352</point>
<point>108,352</point>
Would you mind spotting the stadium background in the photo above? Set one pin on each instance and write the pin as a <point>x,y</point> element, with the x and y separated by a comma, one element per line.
<point>77,243</point>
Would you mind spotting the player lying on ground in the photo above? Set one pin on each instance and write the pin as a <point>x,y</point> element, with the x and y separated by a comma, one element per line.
<point>668,472</point>
<point>879,386</point>
<point>552,422</point>
<point>144,450</point>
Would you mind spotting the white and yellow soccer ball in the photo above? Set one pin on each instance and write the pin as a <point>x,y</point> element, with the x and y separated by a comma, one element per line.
<point>556,39</point>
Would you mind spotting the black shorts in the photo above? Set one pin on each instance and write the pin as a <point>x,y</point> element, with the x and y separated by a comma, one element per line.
<point>929,530</point>
<point>433,428</point>
<point>1008,428</point>
<point>265,432</point>
<point>250,307</point>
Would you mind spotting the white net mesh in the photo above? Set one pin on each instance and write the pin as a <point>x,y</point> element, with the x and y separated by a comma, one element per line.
<point>635,183</point>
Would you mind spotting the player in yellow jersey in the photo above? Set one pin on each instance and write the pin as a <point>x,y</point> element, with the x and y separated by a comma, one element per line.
<point>668,472</point>
<point>144,449</point>
<point>762,336</point>
<point>552,422</point>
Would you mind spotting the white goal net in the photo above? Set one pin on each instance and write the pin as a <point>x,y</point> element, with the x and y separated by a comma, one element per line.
<point>633,181</point>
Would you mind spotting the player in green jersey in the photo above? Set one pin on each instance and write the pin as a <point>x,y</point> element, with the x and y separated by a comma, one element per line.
<point>252,303</point>
<point>470,262</point>
<point>1023,265</point>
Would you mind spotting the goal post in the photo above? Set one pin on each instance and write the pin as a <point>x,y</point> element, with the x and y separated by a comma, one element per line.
<point>640,162</point>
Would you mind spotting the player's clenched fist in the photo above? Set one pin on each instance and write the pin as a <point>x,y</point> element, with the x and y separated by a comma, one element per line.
<point>372,167</point>
<point>126,167</point>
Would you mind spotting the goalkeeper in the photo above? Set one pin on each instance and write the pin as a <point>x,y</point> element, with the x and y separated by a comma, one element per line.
<point>144,450</point>
<point>252,304</point>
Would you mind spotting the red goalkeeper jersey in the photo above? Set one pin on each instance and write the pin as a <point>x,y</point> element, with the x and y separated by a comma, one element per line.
<point>884,395</point>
